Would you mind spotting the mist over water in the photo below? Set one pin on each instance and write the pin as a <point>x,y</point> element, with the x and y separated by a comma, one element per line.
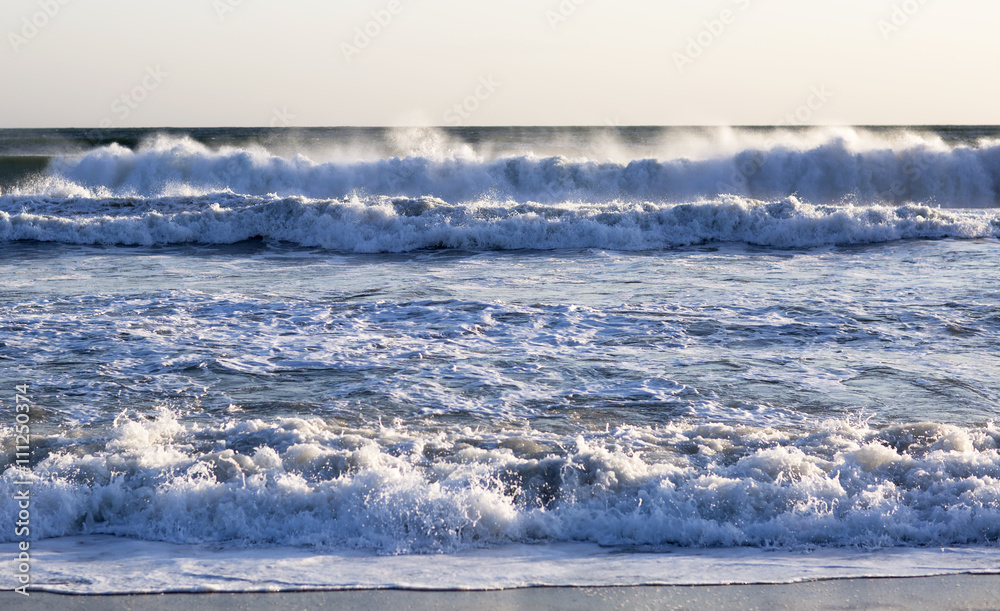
<point>822,166</point>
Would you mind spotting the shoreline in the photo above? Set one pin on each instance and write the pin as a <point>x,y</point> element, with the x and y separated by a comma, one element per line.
<point>963,591</point>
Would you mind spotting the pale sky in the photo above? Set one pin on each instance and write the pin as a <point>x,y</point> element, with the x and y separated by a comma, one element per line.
<point>154,63</point>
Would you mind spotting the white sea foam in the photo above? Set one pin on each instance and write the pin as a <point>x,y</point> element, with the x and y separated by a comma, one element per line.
<point>372,225</point>
<point>829,166</point>
<point>781,189</point>
<point>99,564</point>
<point>533,415</point>
<point>392,490</point>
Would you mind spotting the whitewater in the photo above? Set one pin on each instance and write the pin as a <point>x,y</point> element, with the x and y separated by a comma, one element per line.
<point>480,358</point>
<point>796,190</point>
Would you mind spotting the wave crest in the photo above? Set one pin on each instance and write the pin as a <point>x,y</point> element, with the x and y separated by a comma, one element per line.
<point>832,170</point>
<point>383,224</point>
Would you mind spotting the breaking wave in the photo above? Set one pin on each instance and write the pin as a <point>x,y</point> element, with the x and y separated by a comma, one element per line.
<point>825,168</point>
<point>303,481</point>
<point>383,224</point>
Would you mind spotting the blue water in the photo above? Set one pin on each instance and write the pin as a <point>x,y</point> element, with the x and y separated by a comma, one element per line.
<point>463,342</point>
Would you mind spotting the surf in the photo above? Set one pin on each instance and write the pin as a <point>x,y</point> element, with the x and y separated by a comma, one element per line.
<point>831,166</point>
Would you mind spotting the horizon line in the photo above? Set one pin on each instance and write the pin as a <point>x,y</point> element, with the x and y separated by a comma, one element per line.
<point>524,126</point>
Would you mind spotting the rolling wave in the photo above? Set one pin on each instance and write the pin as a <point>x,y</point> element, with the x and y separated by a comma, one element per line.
<point>827,169</point>
<point>392,491</point>
<point>384,224</point>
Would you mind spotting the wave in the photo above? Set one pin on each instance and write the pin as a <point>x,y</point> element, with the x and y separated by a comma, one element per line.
<point>300,481</point>
<point>379,225</point>
<point>821,168</point>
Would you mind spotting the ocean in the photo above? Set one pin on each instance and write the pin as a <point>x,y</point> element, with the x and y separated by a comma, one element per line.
<point>473,358</point>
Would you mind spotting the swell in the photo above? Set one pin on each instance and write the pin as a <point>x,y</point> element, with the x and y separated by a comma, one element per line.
<point>18,170</point>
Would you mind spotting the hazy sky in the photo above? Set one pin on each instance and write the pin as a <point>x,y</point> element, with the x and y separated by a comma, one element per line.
<point>123,63</point>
